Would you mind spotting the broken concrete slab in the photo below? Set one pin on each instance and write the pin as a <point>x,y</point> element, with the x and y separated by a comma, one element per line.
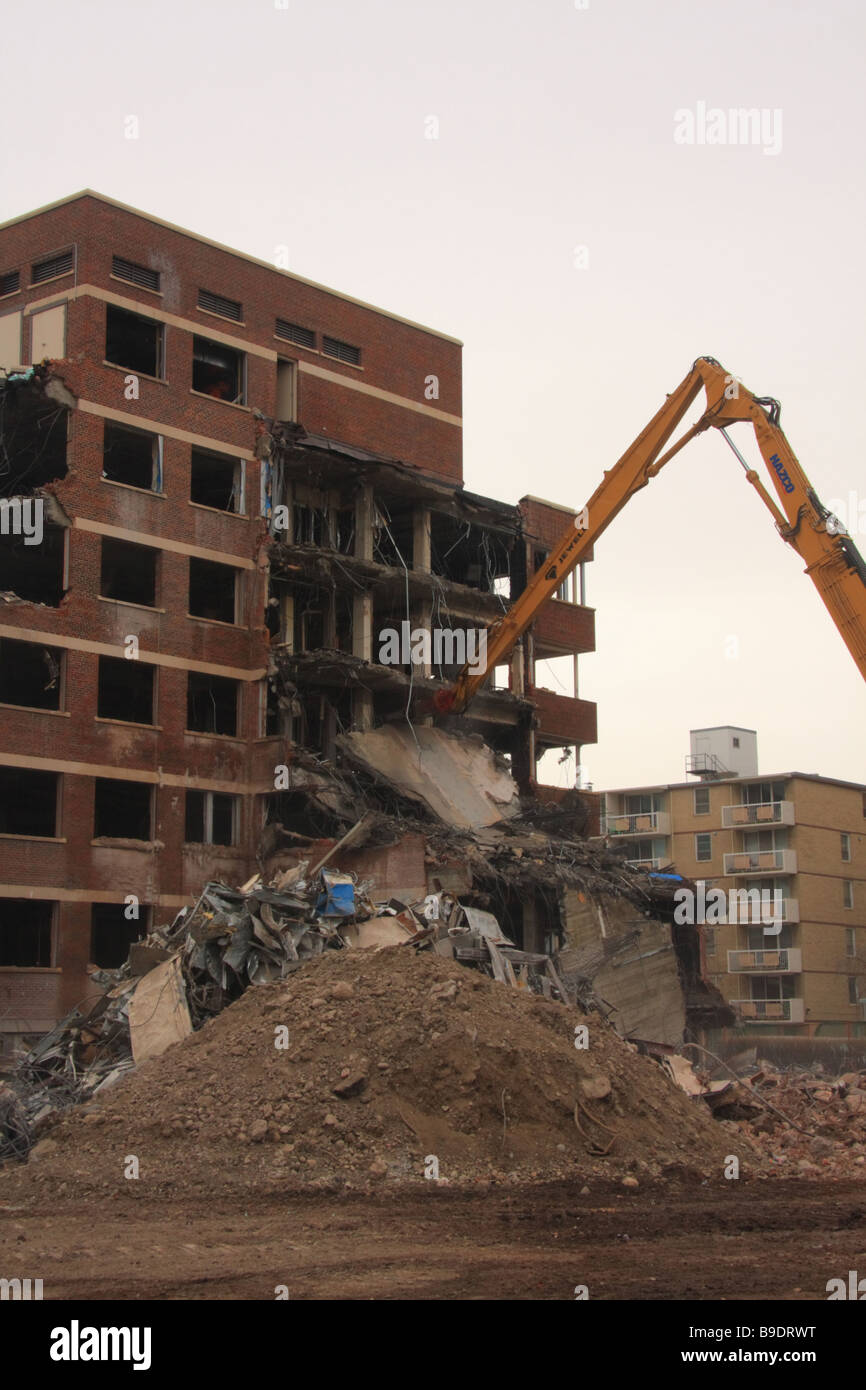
<point>158,1012</point>
<point>376,931</point>
<point>456,776</point>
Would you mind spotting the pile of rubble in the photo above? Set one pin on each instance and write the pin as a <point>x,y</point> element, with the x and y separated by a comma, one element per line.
<point>805,1121</point>
<point>474,854</point>
<point>186,973</point>
<point>388,1065</point>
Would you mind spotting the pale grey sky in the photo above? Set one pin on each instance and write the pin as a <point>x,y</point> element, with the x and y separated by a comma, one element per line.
<point>307,126</point>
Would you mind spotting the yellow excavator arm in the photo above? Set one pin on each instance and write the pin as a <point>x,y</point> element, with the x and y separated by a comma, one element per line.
<point>832,560</point>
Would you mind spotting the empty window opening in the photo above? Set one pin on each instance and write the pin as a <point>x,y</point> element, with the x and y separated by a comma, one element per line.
<point>122,810</point>
<point>217,371</point>
<point>277,711</point>
<point>28,802</point>
<point>128,572</point>
<point>217,481</point>
<point>10,282</point>
<point>26,931</point>
<point>212,704</point>
<point>301,813</point>
<point>52,267</point>
<point>30,674</point>
<point>294,333</point>
<point>34,573</point>
<point>311,621</point>
<point>125,690</point>
<point>212,590</point>
<point>310,526</point>
<point>112,933</point>
<point>472,555</point>
<point>344,525</point>
<point>344,352</point>
<point>211,818</point>
<point>132,457</point>
<point>133,341</point>
<point>34,433</point>
<point>393,536</point>
<point>140,275</point>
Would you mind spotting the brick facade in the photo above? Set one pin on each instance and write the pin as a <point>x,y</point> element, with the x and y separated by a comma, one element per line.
<point>386,405</point>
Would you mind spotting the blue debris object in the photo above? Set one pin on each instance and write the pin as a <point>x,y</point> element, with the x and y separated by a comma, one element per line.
<point>338,898</point>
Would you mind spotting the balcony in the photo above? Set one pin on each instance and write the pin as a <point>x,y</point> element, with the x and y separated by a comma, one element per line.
<point>647,823</point>
<point>761,861</point>
<point>749,907</point>
<point>770,1010</point>
<point>649,864</point>
<point>563,720</point>
<point>761,813</point>
<point>787,961</point>
<point>563,628</point>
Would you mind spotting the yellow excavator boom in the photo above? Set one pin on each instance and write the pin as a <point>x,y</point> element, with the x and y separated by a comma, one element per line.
<point>832,560</point>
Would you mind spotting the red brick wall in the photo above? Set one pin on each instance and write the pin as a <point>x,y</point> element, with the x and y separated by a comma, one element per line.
<point>395,356</point>
<point>566,626</point>
<point>566,720</point>
<point>544,524</point>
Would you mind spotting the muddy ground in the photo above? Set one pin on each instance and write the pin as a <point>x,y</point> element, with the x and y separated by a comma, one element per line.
<point>758,1240</point>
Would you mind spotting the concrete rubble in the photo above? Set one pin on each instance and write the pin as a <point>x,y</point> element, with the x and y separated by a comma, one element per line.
<point>808,1122</point>
<point>449,891</point>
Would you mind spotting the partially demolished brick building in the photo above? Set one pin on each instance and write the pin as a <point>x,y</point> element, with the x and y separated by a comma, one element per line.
<point>242,477</point>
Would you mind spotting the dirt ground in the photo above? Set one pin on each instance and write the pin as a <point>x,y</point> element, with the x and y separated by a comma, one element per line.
<point>760,1240</point>
<point>259,1167</point>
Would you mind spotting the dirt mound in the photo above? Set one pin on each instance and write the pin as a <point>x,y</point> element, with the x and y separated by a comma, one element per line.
<point>393,1058</point>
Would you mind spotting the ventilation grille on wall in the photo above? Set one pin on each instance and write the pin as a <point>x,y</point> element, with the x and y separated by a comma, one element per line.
<point>344,351</point>
<point>218,304</point>
<point>140,275</point>
<point>50,269</point>
<point>294,333</point>
<point>9,282</point>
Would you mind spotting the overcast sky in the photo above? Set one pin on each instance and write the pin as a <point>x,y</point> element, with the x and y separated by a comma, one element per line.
<point>584,255</point>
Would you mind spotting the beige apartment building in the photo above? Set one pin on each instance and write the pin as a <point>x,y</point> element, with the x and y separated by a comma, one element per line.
<point>795,961</point>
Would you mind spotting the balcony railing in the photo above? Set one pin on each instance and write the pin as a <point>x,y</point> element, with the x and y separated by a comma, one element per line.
<point>787,961</point>
<point>770,1010</point>
<point>707,766</point>
<point>760,908</point>
<point>761,813</point>
<point>761,861</point>
<point>644,823</point>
